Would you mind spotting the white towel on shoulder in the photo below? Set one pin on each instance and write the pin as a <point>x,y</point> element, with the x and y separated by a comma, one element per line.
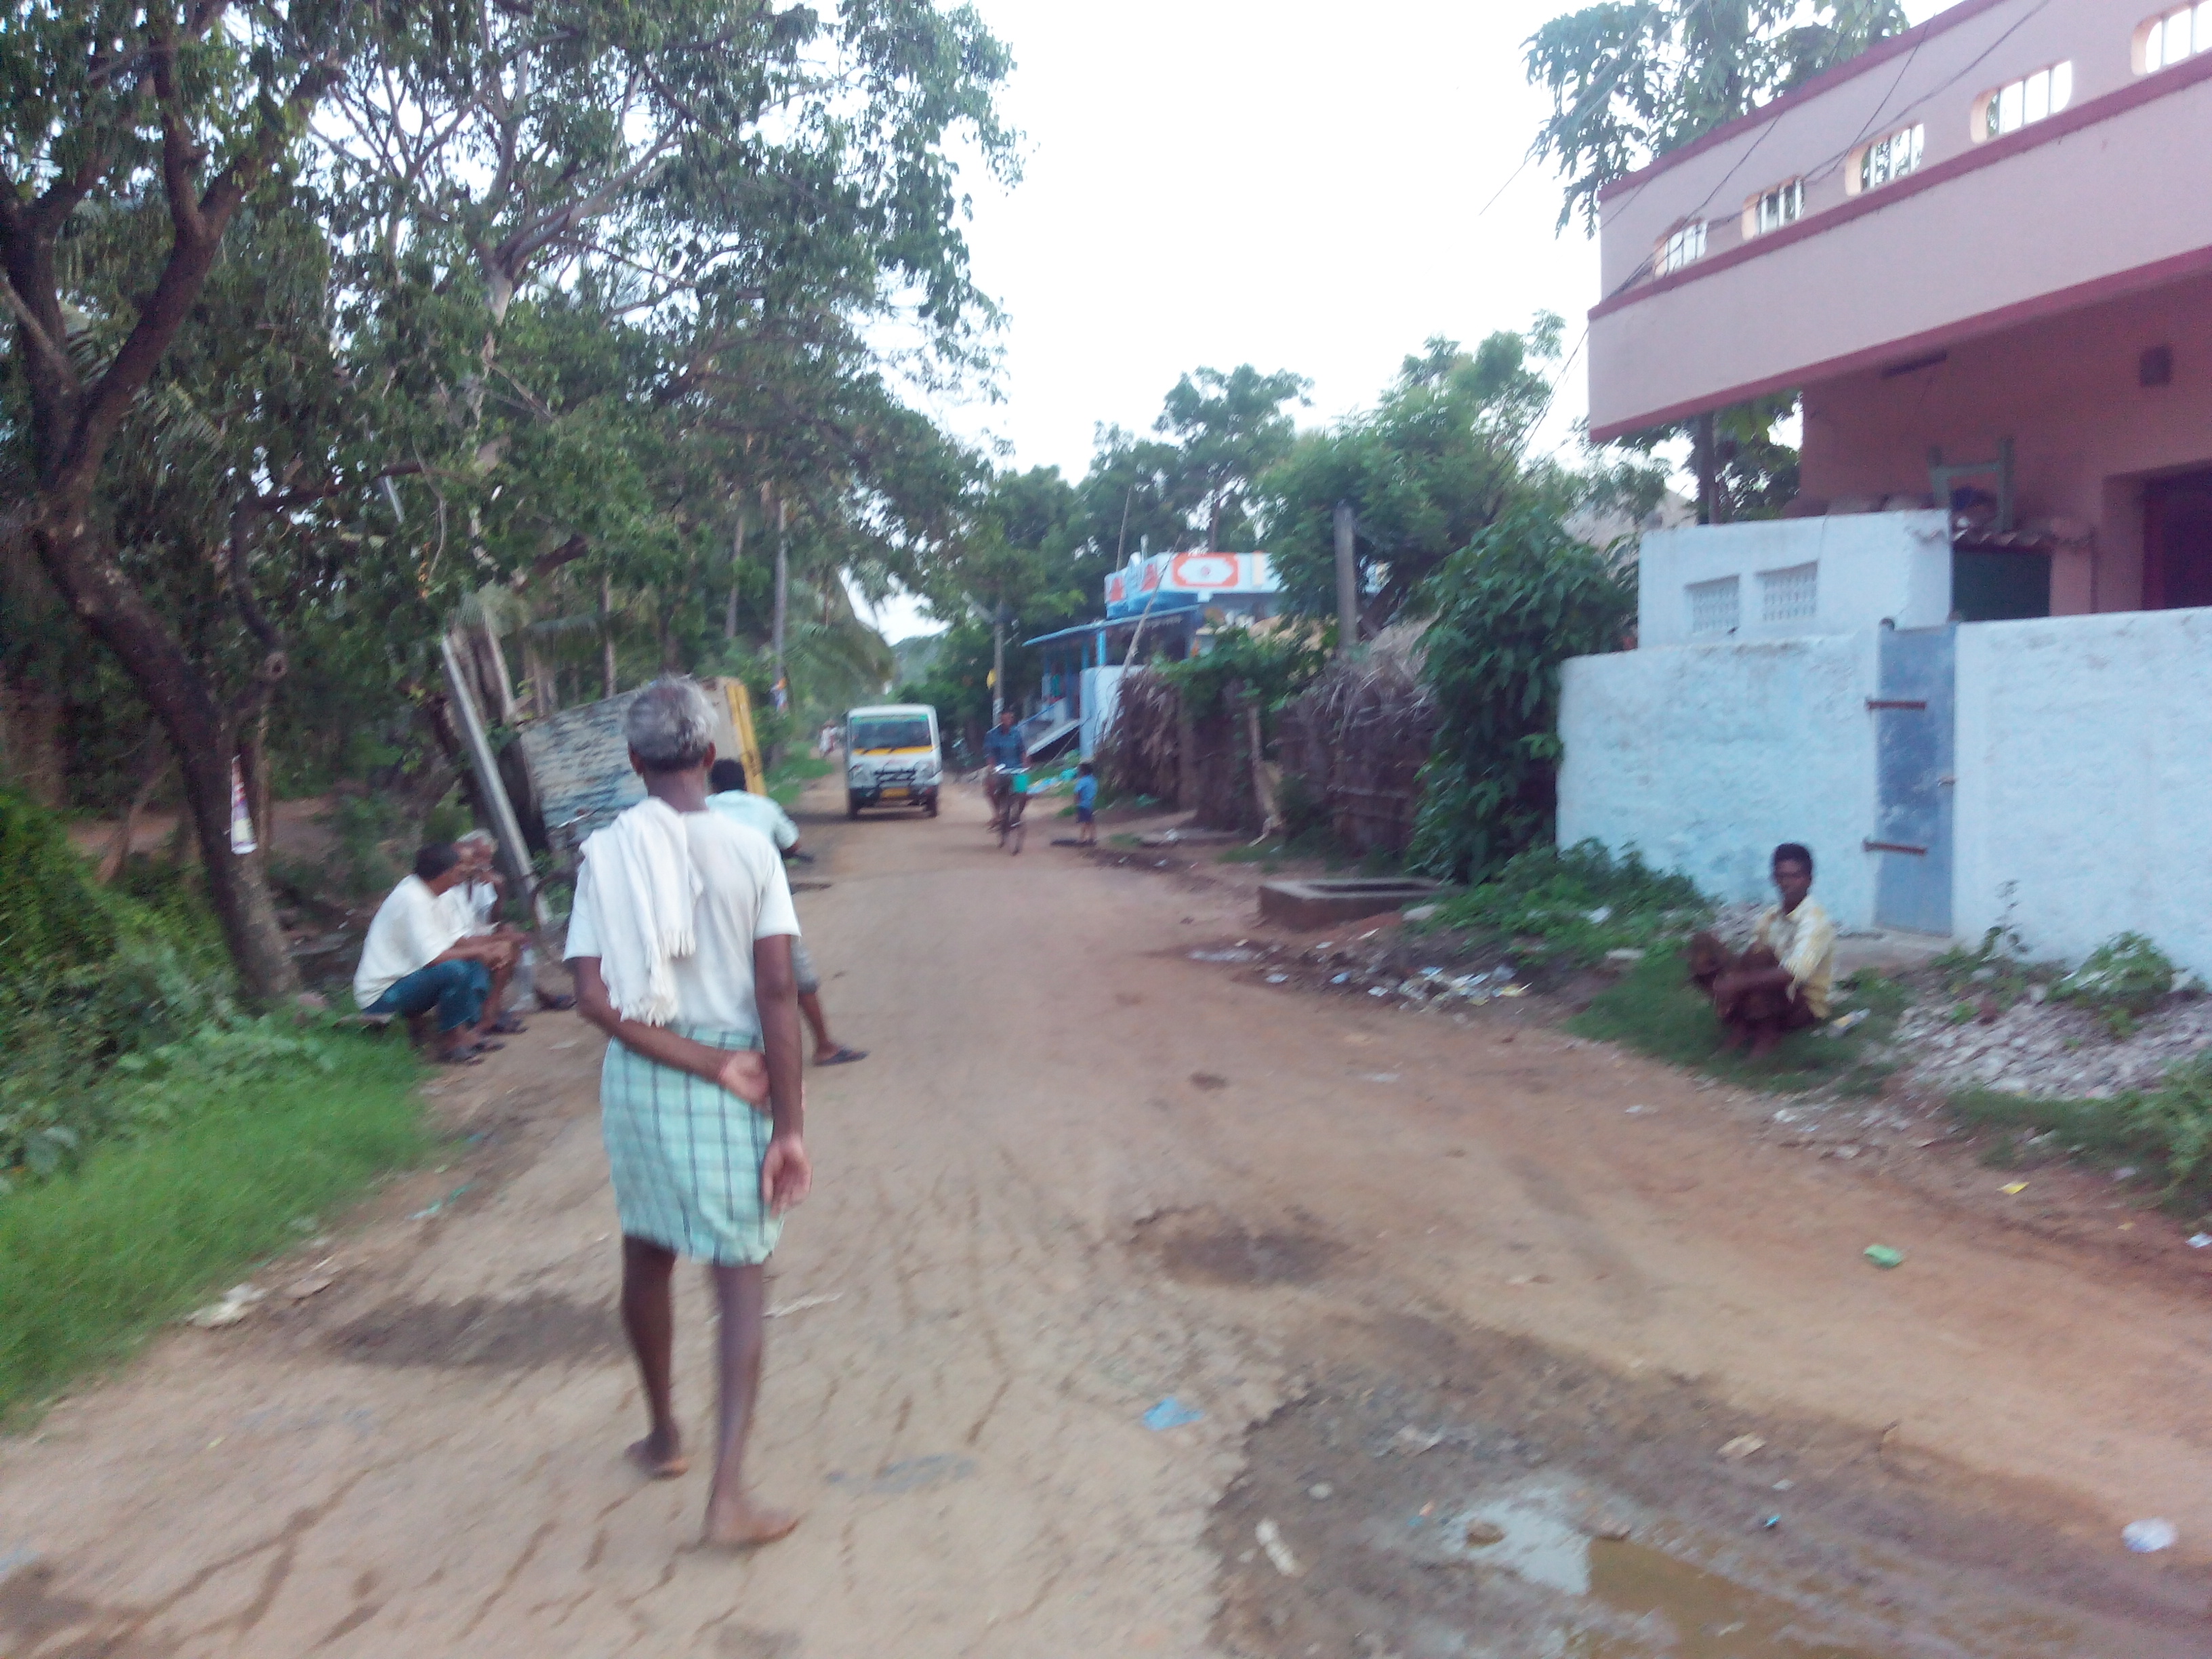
<point>644,889</point>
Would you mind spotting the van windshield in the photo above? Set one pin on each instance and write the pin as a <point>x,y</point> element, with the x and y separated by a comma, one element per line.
<point>890,732</point>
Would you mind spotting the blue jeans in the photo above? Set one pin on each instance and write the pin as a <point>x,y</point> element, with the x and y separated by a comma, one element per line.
<point>456,989</point>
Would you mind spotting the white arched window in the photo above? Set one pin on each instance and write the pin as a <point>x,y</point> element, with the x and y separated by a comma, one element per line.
<point>1891,156</point>
<point>2023,102</point>
<point>2172,36</point>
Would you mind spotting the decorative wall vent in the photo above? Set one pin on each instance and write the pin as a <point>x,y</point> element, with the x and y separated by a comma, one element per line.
<point>1715,607</point>
<point>1790,595</point>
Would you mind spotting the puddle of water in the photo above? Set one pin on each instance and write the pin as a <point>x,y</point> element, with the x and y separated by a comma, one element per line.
<point>1711,1617</point>
<point>1527,1540</point>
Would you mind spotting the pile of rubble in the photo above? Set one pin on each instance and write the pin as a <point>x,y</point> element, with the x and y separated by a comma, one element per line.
<point>2044,1048</point>
<point>1374,963</point>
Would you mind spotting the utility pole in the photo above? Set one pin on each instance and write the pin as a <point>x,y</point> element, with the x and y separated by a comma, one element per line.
<point>1705,455</point>
<point>998,661</point>
<point>782,577</point>
<point>1347,579</point>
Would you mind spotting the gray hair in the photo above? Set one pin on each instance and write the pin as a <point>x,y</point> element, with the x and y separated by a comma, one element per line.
<point>670,725</point>
<point>477,838</point>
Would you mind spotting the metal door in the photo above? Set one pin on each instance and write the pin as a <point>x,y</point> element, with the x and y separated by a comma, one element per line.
<point>1913,769</point>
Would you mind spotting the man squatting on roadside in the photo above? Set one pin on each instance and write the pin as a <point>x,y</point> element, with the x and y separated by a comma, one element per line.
<point>1781,984</point>
<point>418,957</point>
<point>681,942</point>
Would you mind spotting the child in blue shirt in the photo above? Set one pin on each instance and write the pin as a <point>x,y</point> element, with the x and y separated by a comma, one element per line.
<point>1086,806</point>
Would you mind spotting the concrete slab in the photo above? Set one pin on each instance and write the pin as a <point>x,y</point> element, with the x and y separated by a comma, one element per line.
<point>1888,950</point>
<point>1326,901</point>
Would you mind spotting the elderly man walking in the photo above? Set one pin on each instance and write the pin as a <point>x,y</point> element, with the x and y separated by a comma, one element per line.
<point>681,941</point>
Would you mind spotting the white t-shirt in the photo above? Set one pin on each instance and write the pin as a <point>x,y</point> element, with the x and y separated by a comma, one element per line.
<point>414,927</point>
<point>757,812</point>
<point>472,904</point>
<point>743,896</point>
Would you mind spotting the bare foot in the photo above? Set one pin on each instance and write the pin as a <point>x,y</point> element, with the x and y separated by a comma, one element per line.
<point>742,1524</point>
<point>659,1460</point>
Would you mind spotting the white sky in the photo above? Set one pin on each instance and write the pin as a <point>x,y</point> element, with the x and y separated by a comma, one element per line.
<point>1299,186</point>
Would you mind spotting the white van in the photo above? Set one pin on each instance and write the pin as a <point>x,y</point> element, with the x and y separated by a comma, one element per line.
<point>892,757</point>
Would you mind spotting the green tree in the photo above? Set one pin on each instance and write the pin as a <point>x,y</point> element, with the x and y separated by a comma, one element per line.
<point>1436,462</point>
<point>1228,429</point>
<point>135,140</point>
<point>1630,80</point>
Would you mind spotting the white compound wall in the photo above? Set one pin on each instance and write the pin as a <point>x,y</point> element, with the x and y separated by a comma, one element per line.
<point>2084,804</point>
<point>1705,757</point>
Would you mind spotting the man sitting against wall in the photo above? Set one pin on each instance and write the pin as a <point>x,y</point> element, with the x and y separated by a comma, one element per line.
<point>1781,984</point>
<point>417,959</point>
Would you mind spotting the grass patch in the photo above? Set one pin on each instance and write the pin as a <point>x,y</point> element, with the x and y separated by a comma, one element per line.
<point>1575,906</point>
<point>788,778</point>
<point>1654,1008</point>
<point>93,1259</point>
<point>2166,1130</point>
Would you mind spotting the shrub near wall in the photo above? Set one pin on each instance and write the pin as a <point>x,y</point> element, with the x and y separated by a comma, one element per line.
<point>1512,607</point>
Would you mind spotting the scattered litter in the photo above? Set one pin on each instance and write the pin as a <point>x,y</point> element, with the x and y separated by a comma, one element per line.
<point>1412,1442</point>
<point>2148,1537</point>
<point>237,1302</point>
<point>2125,1172</point>
<point>1512,990</point>
<point>800,1304</point>
<point>1271,1539</point>
<point>1624,956</point>
<point>1377,991</point>
<point>1783,1486</point>
<point>1341,979</point>
<point>1321,1490</point>
<point>1277,979</point>
<point>1380,1077</point>
<point>1225,956</point>
<point>1882,1256</point>
<point>1638,1111</point>
<point>2199,1241</point>
<point>570,1043</point>
<point>1844,1022</point>
<point>1742,1446</point>
<point>1422,911</point>
<point>316,1280</point>
<point>1770,1523</point>
<point>1481,1534</point>
<point>425,1214</point>
<point>2014,1186</point>
<point>1172,1414</point>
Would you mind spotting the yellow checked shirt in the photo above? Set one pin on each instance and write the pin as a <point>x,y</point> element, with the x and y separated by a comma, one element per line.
<point>1804,942</point>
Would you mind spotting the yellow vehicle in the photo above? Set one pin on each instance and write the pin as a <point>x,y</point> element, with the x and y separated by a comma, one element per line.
<point>892,757</point>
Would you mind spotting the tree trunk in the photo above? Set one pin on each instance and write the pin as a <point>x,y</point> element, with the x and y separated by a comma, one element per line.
<point>260,792</point>
<point>736,563</point>
<point>154,766</point>
<point>201,737</point>
<point>607,635</point>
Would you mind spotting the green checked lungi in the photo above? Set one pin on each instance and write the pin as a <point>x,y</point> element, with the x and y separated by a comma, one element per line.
<point>686,1156</point>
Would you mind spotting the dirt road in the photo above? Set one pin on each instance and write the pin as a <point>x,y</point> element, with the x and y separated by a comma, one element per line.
<point>1467,1336</point>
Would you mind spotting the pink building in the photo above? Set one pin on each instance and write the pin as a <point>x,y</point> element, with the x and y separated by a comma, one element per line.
<point>1988,240</point>
<point>1972,666</point>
